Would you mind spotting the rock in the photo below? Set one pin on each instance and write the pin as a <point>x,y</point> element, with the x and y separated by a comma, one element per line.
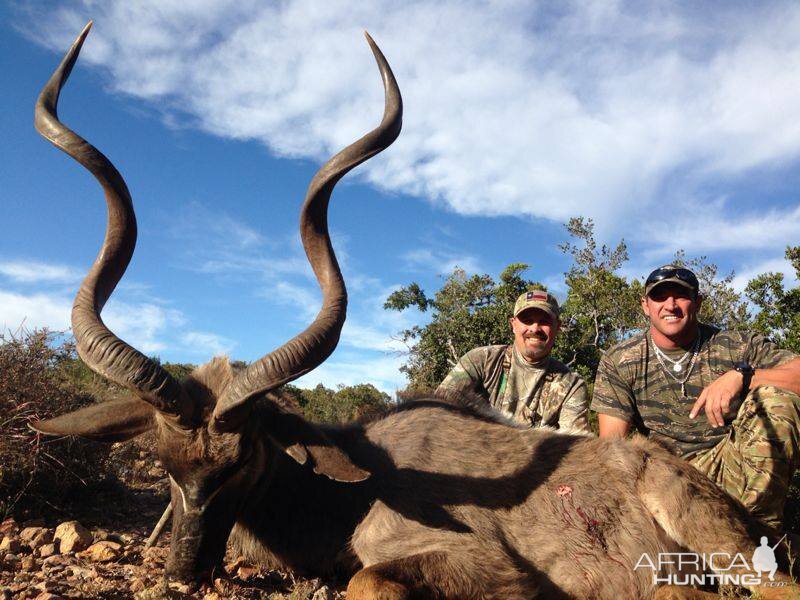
<point>104,551</point>
<point>323,593</point>
<point>137,585</point>
<point>35,537</point>
<point>28,563</point>
<point>9,526</point>
<point>48,596</point>
<point>53,560</point>
<point>83,572</point>
<point>73,537</point>
<point>47,586</point>
<point>47,550</point>
<point>9,545</point>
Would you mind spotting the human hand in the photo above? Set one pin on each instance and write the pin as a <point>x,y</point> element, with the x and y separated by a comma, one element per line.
<point>716,397</point>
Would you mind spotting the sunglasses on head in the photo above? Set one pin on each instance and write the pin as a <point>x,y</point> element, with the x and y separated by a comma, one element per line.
<point>670,273</point>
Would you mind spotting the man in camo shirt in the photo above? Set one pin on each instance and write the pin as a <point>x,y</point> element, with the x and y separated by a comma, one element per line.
<point>522,380</point>
<point>726,401</point>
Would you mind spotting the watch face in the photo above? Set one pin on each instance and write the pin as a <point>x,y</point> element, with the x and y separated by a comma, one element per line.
<point>743,367</point>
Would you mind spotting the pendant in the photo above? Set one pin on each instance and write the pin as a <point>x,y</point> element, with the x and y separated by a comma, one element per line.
<point>677,367</point>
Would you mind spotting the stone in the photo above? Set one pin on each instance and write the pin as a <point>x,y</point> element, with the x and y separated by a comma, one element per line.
<point>48,596</point>
<point>104,551</point>
<point>47,550</point>
<point>323,593</point>
<point>73,537</point>
<point>9,545</point>
<point>83,572</point>
<point>28,563</point>
<point>36,537</point>
<point>55,559</point>
<point>9,526</point>
<point>47,586</point>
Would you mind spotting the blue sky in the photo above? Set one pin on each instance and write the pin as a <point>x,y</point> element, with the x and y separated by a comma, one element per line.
<point>671,125</point>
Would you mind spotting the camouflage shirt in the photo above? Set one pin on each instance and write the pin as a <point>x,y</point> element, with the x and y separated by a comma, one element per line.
<point>546,394</point>
<point>632,385</point>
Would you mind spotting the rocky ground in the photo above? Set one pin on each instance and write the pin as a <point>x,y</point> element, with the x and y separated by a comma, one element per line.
<point>99,553</point>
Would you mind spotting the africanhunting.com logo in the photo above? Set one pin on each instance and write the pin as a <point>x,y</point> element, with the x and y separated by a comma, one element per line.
<point>716,568</point>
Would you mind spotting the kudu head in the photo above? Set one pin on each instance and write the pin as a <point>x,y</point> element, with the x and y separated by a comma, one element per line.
<point>206,441</point>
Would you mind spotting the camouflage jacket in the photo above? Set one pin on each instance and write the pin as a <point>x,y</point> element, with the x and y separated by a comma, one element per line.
<point>548,394</point>
<point>632,385</point>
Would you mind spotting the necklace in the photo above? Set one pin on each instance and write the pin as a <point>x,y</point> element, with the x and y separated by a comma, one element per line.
<point>694,352</point>
<point>677,365</point>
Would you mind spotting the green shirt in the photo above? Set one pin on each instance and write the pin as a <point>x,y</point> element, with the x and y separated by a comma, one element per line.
<point>632,385</point>
<point>546,394</point>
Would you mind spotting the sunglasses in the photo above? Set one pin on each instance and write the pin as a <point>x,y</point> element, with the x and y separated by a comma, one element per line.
<point>672,273</point>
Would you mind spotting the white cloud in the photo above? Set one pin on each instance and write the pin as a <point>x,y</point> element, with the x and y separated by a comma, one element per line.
<point>30,271</point>
<point>774,265</point>
<point>440,261</point>
<point>34,311</point>
<point>511,108</point>
<point>714,229</point>
<point>380,371</point>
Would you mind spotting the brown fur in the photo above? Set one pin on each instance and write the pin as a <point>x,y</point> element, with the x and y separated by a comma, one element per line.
<point>457,502</point>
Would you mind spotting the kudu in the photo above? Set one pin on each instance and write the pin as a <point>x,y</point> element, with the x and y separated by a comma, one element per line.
<point>436,498</point>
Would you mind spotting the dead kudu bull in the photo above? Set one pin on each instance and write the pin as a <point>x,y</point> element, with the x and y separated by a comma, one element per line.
<point>433,499</point>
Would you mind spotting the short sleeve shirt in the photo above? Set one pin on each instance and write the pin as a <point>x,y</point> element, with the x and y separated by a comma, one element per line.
<point>632,385</point>
<point>548,394</point>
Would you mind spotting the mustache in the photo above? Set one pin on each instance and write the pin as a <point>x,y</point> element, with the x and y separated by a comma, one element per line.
<point>538,335</point>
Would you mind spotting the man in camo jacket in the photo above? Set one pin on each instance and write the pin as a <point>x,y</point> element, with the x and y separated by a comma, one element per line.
<point>522,380</point>
<point>726,401</point>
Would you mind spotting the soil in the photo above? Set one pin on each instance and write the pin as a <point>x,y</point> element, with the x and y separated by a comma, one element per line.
<point>117,566</point>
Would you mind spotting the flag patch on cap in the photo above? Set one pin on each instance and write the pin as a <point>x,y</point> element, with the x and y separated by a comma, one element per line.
<point>536,296</point>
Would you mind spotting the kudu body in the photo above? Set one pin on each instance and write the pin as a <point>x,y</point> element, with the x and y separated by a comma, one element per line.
<point>436,498</point>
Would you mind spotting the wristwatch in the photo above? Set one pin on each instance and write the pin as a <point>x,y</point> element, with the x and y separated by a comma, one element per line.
<point>747,374</point>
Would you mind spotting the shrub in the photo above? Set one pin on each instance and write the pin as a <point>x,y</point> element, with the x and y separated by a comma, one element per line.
<point>37,373</point>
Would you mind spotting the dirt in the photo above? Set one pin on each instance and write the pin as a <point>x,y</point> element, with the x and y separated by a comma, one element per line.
<point>116,564</point>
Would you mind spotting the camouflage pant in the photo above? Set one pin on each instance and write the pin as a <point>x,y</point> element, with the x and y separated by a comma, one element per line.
<point>757,459</point>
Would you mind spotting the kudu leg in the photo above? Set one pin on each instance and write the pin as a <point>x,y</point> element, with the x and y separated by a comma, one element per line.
<point>679,592</point>
<point>705,520</point>
<point>399,579</point>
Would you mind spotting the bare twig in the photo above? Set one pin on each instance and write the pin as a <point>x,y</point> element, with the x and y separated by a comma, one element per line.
<point>159,527</point>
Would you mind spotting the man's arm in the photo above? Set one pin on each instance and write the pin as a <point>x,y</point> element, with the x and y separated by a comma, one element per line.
<point>465,376</point>
<point>785,376</point>
<point>574,415</point>
<point>612,426</point>
<point>612,399</point>
<point>716,397</point>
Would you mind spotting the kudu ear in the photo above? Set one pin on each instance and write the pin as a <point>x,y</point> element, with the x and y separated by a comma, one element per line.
<point>113,421</point>
<point>301,440</point>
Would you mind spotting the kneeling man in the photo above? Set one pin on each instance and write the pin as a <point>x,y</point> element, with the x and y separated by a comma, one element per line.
<point>726,401</point>
<point>522,380</point>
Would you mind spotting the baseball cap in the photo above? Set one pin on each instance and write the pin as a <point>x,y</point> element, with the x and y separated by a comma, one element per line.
<point>537,299</point>
<point>671,274</point>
